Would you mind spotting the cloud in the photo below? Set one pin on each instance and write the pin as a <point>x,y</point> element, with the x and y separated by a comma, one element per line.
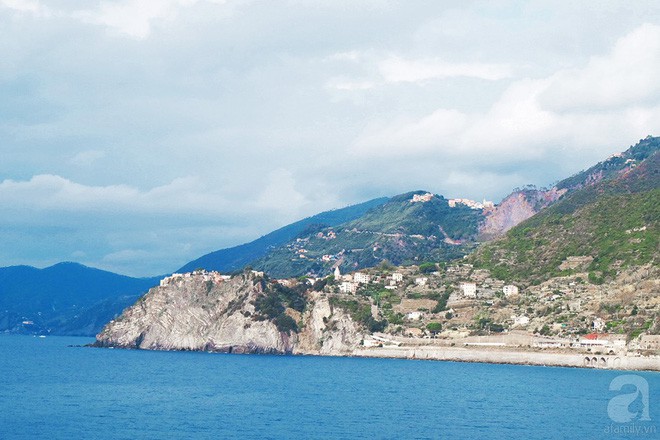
<point>279,192</point>
<point>87,158</point>
<point>180,127</point>
<point>26,6</point>
<point>380,70</point>
<point>396,69</point>
<point>627,76</point>
<point>55,193</point>
<point>432,132</point>
<point>131,18</point>
<point>611,100</point>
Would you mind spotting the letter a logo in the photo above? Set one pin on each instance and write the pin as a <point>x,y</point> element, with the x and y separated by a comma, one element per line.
<point>618,408</point>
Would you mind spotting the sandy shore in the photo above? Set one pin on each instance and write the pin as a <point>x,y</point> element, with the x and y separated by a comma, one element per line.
<point>511,356</point>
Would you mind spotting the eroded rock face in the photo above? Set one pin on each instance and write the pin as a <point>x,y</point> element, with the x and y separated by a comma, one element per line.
<point>514,209</point>
<point>327,330</point>
<point>191,313</point>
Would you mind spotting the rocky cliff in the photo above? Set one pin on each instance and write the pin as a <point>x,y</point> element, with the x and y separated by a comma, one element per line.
<point>245,314</point>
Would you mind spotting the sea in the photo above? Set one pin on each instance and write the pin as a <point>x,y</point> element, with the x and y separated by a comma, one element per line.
<point>55,388</point>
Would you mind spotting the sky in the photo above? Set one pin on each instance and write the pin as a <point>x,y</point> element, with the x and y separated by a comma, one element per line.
<point>137,135</point>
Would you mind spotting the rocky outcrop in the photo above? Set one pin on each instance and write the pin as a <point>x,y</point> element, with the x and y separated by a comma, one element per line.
<point>193,312</point>
<point>515,208</point>
<point>327,330</point>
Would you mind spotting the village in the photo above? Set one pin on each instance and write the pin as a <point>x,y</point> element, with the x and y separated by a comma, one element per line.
<point>438,305</point>
<point>563,314</point>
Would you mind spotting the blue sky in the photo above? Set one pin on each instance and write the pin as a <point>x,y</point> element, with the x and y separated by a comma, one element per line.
<point>140,134</point>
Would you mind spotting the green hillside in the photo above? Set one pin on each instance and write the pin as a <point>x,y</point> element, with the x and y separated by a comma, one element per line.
<point>614,222</point>
<point>400,231</point>
<point>237,257</point>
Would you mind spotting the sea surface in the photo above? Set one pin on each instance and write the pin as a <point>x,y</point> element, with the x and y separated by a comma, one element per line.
<point>51,389</point>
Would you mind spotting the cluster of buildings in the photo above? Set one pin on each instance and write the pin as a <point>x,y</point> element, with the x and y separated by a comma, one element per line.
<point>422,198</point>
<point>471,203</point>
<point>350,283</point>
<point>214,276</point>
<point>469,290</point>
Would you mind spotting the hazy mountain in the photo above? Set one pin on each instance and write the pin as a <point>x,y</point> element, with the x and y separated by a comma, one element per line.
<point>46,300</point>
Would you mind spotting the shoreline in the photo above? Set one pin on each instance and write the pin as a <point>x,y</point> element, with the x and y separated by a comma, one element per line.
<point>514,357</point>
<point>453,354</point>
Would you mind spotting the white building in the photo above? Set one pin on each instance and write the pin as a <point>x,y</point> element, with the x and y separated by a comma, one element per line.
<point>414,316</point>
<point>422,198</point>
<point>469,290</point>
<point>397,277</point>
<point>521,320</point>
<point>510,289</point>
<point>348,287</point>
<point>598,325</point>
<point>175,276</point>
<point>361,278</point>
<point>421,281</point>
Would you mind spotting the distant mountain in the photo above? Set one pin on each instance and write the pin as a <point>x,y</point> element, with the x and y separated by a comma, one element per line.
<point>53,299</point>
<point>608,220</point>
<point>237,257</point>
<point>412,227</point>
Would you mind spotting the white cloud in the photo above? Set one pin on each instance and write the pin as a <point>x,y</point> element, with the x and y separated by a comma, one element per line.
<point>381,70</point>
<point>350,84</point>
<point>611,100</point>
<point>407,138</point>
<point>281,196</point>
<point>626,76</point>
<point>55,193</point>
<point>32,6</point>
<point>87,158</point>
<point>396,69</point>
<point>132,18</point>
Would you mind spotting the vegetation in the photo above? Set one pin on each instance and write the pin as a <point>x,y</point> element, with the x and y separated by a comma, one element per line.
<point>434,327</point>
<point>360,312</point>
<point>614,221</point>
<point>274,301</point>
<point>398,232</point>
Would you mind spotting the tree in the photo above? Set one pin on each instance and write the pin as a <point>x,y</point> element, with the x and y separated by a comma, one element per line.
<point>434,327</point>
<point>427,267</point>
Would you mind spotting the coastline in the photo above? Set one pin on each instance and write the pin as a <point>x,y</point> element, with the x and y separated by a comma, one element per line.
<point>515,357</point>
<point>452,354</point>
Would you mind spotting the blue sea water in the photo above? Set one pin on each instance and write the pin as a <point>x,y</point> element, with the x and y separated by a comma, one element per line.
<point>50,390</point>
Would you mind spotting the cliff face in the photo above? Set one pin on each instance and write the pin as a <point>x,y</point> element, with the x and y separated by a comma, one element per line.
<point>514,209</point>
<point>197,313</point>
<point>327,330</point>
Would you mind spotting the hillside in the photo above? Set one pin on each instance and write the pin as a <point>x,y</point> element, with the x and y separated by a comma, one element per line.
<point>606,224</point>
<point>412,312</point>
<point>237,257</point>
<point>412,227</point>
<point>48,300</point>
<point>523,203</point>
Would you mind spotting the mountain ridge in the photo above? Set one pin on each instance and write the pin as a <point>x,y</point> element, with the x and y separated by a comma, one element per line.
<point>409,228</point>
